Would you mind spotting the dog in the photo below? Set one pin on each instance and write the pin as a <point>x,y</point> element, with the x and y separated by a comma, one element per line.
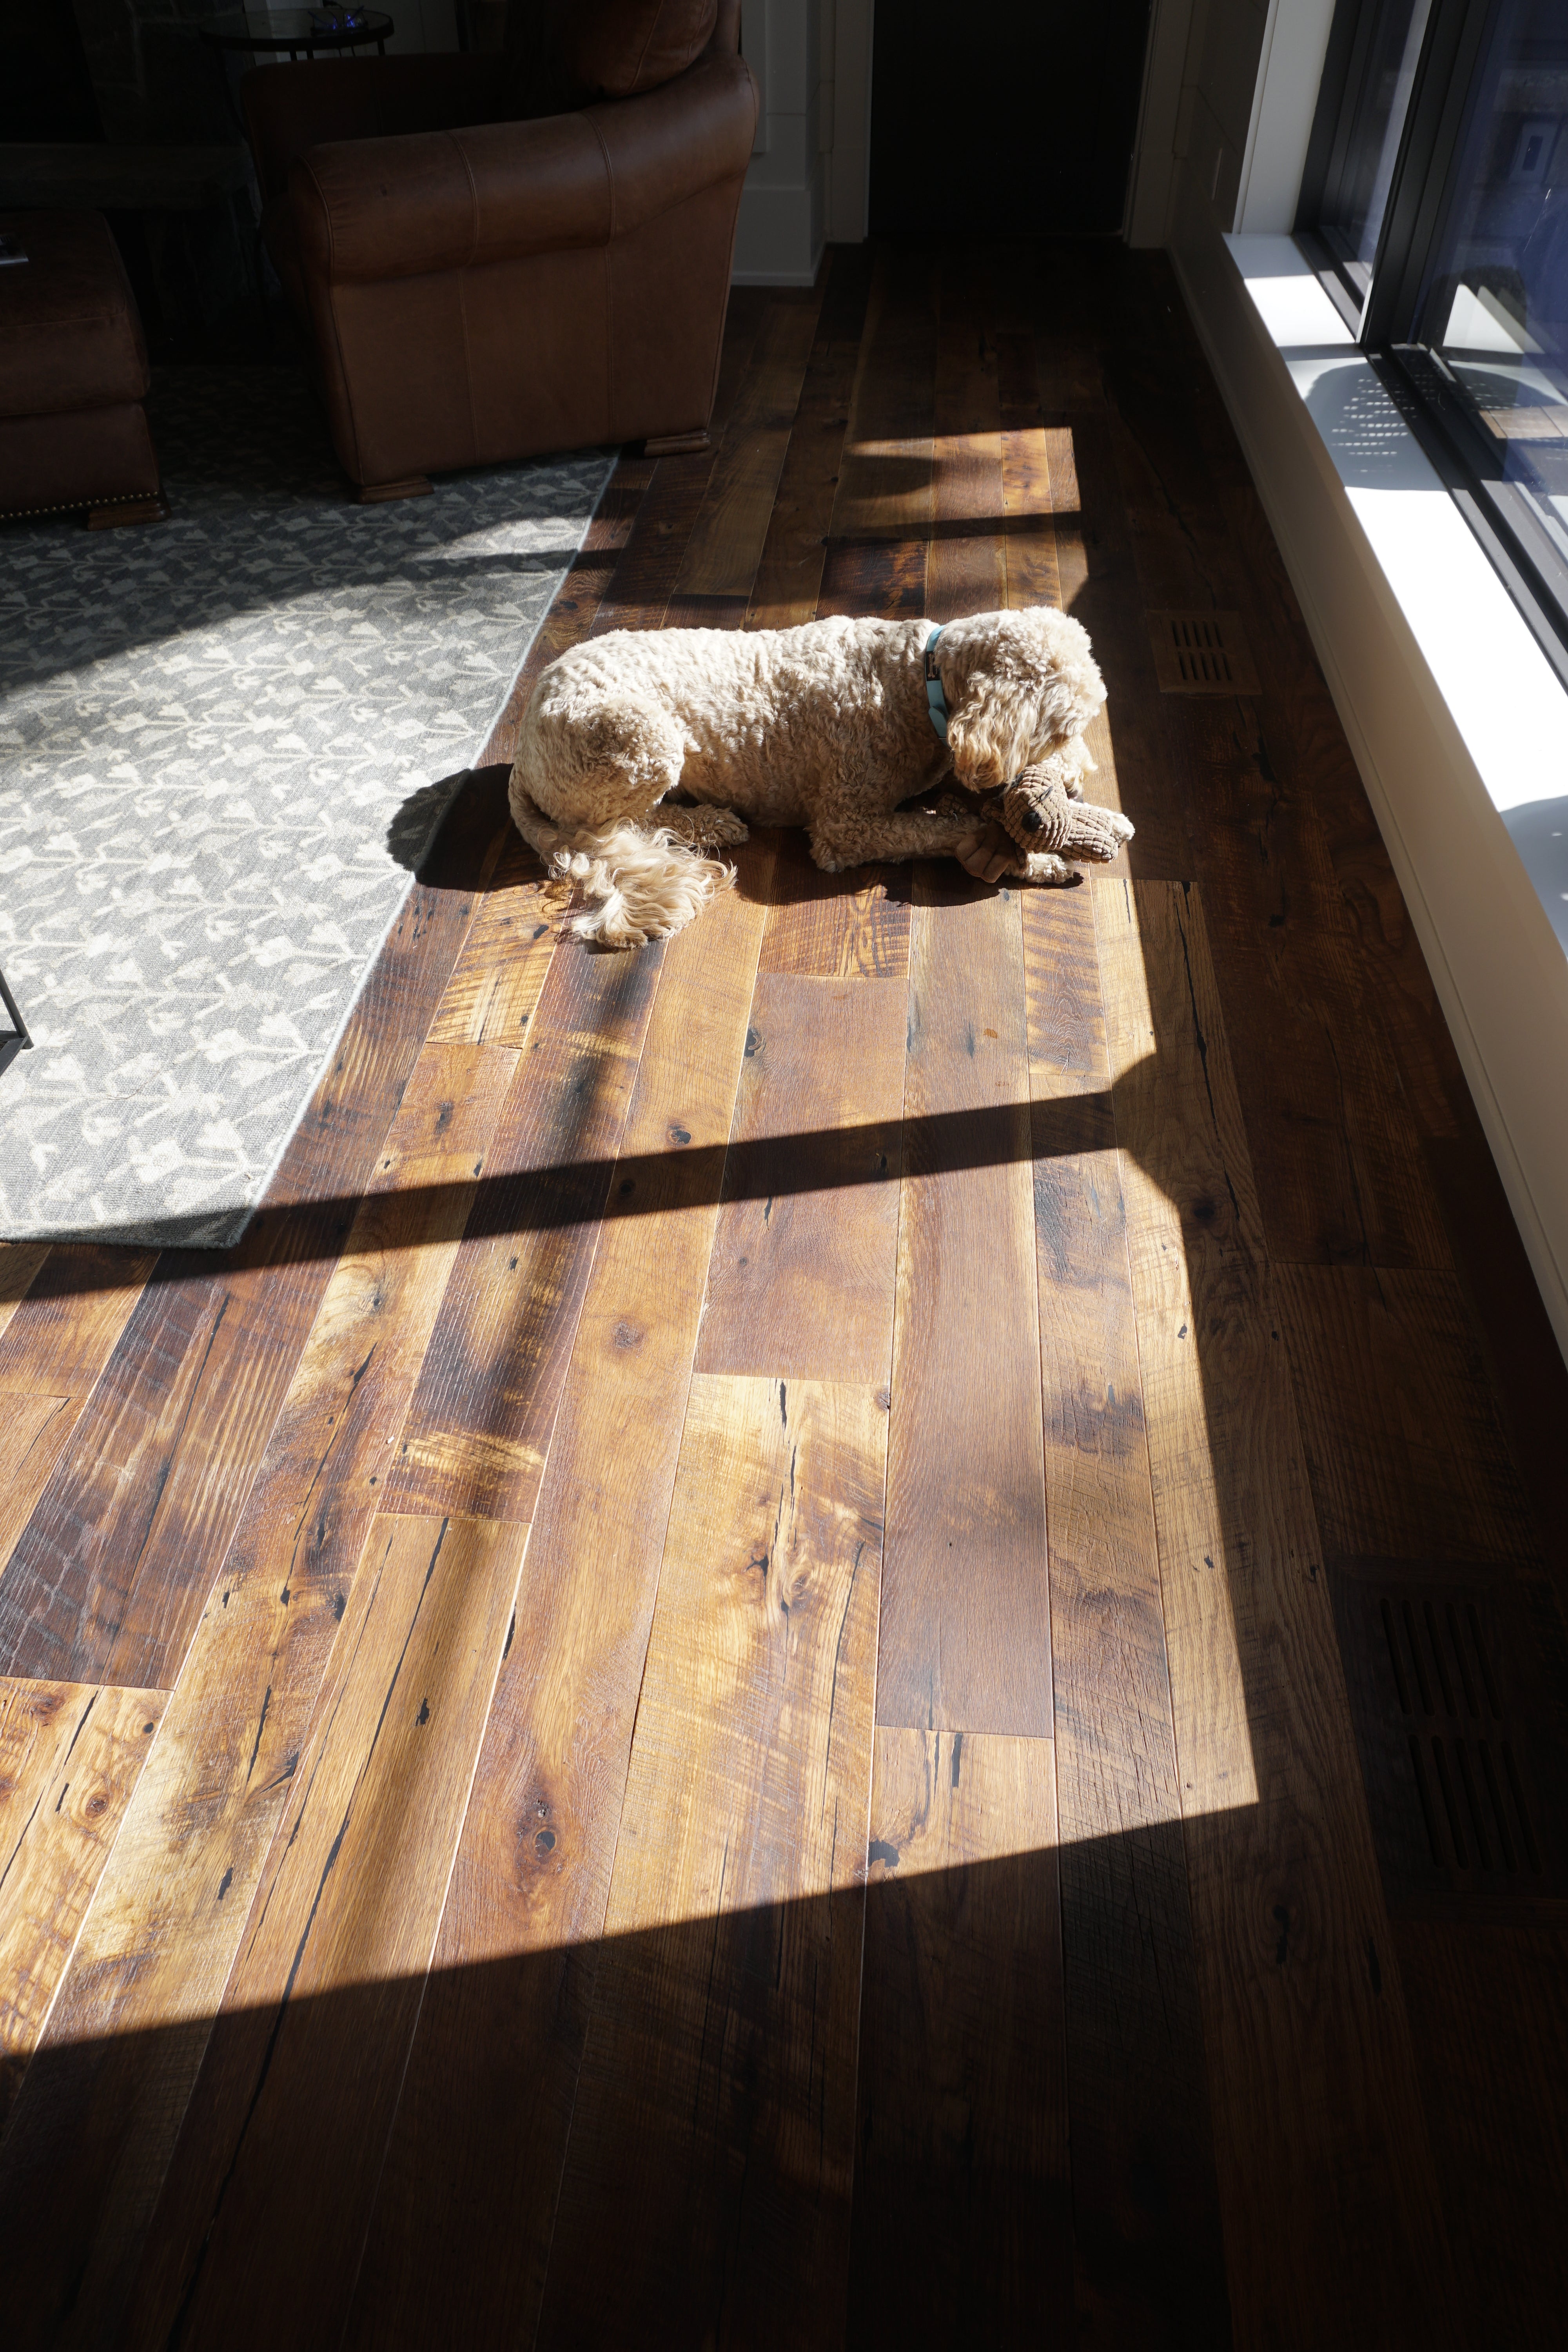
<point>838,726</point>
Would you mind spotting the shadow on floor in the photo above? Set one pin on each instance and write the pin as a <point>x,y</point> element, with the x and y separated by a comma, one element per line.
<point>648,2137</point>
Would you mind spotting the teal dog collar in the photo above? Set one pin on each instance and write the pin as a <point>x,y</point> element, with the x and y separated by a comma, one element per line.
<point>936,700</point>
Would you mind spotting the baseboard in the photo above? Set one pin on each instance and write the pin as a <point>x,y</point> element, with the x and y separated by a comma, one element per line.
<point>806,277</point>
<point>1499,976</point>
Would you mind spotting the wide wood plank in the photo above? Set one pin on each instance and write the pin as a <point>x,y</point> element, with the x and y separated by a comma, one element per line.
<point>463,2221</point>
<point>1149,2258</point>
<point>966,570</point>
<point>878,538</point>
<point>69,1759</point>
<point>60,1334</point>
<point>1337,1155</point>
<point>962,2231</point>
<point>20,1263</point>
<point>1295,1956</point>
<point>96,2124</point>
<point>789,576</point>
<point>715,2119</point>
<point>852,925</point>
<point>1028,494</point>
<point>801,1282</point>
<point>307,2055</point>
<point>480,1425</point>
<point>1406,1452</point>
<point>498,979</point>
<point>727,539</point>
<point>965,1638</point>
<point>1491,2027</point>
<point>1333,1145</point>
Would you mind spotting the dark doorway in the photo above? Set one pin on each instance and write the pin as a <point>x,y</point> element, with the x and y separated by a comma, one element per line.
<point>1006,118</point>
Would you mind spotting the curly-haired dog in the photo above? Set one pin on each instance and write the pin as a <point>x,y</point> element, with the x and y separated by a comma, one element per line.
<point>831,727</point>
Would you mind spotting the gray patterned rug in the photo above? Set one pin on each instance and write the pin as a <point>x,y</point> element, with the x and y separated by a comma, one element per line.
<point>208,729</point>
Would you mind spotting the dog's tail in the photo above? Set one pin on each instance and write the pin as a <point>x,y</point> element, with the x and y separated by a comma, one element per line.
<point>641,885</point>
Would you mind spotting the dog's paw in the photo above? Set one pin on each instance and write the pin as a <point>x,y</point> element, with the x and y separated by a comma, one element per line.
<point>1121,827</point>
<point>721,828</point>
<point>706,828</point>
<point>1045,866</point>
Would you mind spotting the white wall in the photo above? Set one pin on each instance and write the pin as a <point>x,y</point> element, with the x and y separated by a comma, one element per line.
<point>812,59</point>
<point>1228,94</point>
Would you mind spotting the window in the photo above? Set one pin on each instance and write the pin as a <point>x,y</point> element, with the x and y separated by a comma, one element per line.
<point>1435,205</point>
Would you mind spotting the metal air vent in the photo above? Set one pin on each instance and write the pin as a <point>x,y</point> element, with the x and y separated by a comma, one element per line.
<point>1202,653</point>
<point>1459,1752</point>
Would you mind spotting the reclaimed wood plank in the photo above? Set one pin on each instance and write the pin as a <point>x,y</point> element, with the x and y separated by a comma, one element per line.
<point>479,1423</point>
<point>725,546</point>
<point>499,976</point>
<point>1335,1147</point>
<point>69,1759</point>
<point>640,587</point>
<point>966,570</point>
<point>62,1332</point>
<point>1492,2038</point>
<point>19,1264</point>
<point>1100,587</point>
<point>801,1280</point>
<point>1404,1446</point>
<point>297,2092</point>
<point>1028,494</point>
<point>99,2114</point>
<point>789,576</point>
<point>853,926</point>
<point>965,1636</point>
<point>714,2124</point>
<point>1146,2229</point>
<point>1047,554</point>
<point>462,2226</point>
<point>1295,1956</point>
<point>878,537</point>
<point>962,2226</point>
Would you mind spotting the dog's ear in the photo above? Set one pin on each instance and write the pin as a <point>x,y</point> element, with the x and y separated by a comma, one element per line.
<point>989,733</point>
<point>1033,683</point>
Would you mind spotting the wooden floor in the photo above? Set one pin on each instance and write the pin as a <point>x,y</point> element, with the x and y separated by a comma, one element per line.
<point>849,1634</point>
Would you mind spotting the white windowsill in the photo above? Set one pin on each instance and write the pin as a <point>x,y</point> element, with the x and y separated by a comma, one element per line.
<point>1505,699</point>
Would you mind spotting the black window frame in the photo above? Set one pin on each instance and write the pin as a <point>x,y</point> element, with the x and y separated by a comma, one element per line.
<point>1422,191</point>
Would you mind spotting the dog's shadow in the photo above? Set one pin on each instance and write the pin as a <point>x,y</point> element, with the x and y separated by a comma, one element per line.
<point>445,833</point>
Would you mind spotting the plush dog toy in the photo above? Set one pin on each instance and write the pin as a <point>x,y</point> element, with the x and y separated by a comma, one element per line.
<point>836,726</point>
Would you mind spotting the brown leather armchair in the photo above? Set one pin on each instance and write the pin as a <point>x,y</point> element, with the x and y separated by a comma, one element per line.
<point>484,276</point>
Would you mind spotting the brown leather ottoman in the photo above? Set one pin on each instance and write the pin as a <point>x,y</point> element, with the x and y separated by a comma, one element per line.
<point>73,375</point>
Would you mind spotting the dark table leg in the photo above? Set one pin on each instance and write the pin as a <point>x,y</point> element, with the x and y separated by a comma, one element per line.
<point>18,1026</point>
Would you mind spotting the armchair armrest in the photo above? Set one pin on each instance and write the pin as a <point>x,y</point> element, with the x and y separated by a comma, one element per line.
<point>369,208</point>
<point>378,208</point>
<point>667,143</point>
<point>290,109</point>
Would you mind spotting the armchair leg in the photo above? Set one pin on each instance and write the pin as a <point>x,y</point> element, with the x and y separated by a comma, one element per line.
<point>109,517</point>
<point>676,444</point>
<point>375,494</point>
